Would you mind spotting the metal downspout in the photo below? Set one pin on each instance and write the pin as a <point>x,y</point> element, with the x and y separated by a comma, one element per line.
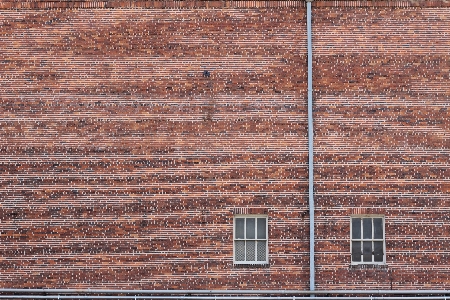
<point>310,150</point>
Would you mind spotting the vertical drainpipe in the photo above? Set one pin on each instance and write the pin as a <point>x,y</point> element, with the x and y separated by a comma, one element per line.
<point>310,150</point>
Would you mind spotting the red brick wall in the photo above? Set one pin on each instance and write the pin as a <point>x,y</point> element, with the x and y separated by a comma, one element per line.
<point>122,163</point>
<point>382,129</point>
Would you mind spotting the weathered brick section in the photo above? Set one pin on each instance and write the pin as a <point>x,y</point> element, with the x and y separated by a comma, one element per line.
<point>129,138</point>
<point>383,141</point>
<point>380,3</point>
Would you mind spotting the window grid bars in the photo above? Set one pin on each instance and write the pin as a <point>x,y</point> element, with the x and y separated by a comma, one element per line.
<point>255,240</point>
<point>372,240</point>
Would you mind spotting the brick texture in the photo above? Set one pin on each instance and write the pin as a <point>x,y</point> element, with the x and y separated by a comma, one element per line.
<point>133,131</point>
<point>382,142</point>
<point>130,136</point>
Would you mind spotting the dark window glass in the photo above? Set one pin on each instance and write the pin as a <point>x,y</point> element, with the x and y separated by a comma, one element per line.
<point>378,228</point>
<point>367,228</point>
<point>356,251</point>
<point>367,251</point>
<point>356,228</point>
<point>250,228</point>
<point>378,251</point>
<point>240,227</point>
<point>261,234</point>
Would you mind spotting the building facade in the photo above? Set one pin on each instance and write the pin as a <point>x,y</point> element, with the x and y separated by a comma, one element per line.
<point>164,145</point>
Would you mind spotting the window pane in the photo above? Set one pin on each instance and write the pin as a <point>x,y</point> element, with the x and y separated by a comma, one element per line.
<point>250,250</point>
<point>261,250</point>
<point>367,251</point>
<point>356,251</point>
<point>367,228</point>
<point>377,228</point>
<point>356,228</point>
<point>239,250</point>
<point>378,251</point>
<point>240,225</point>
<point>250,228</point>
<point>261,234</point>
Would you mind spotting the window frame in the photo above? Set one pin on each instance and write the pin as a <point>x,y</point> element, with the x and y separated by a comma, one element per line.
<point>372,239</point>
<point>255,262</point>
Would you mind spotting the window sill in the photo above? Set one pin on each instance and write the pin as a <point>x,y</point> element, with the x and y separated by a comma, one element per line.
<point>368,266</point>
<point>250,266</point>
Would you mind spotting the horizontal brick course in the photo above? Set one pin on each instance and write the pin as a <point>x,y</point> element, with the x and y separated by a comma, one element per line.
<point>211,4</point>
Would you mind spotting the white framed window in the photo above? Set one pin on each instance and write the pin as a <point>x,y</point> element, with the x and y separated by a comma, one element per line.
<point>250,239</point>
<point>367,239</point>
